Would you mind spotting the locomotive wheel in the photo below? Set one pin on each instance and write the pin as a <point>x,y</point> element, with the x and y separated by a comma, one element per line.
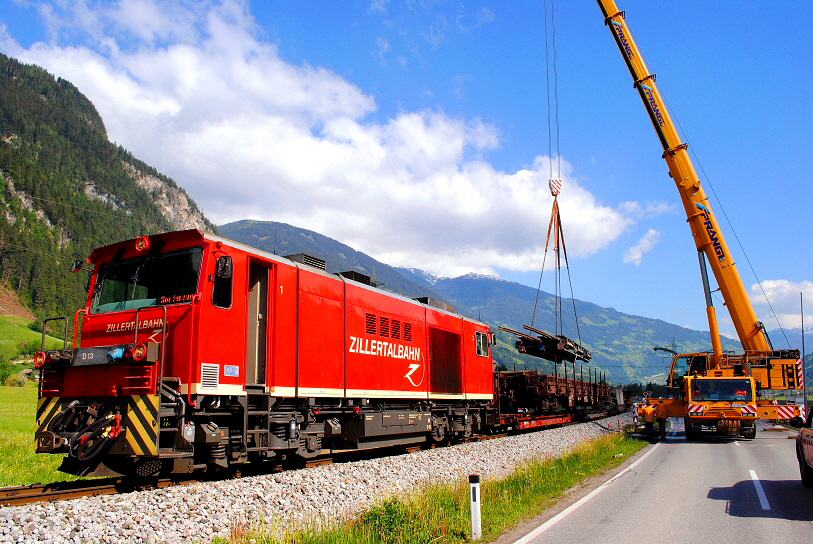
<point>438,433</point>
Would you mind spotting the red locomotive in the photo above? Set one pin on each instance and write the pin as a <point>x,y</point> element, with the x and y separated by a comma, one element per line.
<point>195,352</point>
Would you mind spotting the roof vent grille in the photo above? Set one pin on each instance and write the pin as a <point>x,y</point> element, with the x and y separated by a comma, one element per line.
<point>309,260</point>
<point>356,276</point>
<point>436,303</point>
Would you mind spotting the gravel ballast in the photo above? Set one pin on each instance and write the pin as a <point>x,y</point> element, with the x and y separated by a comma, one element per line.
<point>284,500</point>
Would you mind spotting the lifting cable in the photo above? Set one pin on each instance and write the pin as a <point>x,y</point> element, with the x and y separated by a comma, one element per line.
<point>555,181</point>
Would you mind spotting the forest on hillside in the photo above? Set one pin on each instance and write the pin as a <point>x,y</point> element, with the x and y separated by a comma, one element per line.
<point>64,188</point>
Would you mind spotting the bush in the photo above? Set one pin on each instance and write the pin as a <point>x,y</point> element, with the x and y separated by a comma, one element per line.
<point>21,380</point>
<point>6,369</point>
<point>30,348</point>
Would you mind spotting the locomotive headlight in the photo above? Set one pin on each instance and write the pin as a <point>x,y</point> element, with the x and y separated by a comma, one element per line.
<point>39,359</point>
<point>142,243</point>
<point>139,351</point>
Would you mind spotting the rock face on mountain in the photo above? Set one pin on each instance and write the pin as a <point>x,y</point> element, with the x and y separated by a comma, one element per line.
<point>66,189</point>
<point>173,202</point>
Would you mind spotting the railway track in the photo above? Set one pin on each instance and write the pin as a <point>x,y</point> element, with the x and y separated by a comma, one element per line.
<point>61,491</point>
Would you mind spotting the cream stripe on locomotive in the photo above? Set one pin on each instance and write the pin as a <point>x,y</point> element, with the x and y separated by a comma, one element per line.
<point>221,389</point>
<point>141,425</point>
<point>233,389</point>
<point>383,393</point>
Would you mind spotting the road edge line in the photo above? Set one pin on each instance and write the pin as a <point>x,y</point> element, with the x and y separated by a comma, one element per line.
<point>561,515</point>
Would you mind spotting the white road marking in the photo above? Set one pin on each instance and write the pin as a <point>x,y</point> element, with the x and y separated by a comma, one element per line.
<point>564,513</point>
<point>763,500</point>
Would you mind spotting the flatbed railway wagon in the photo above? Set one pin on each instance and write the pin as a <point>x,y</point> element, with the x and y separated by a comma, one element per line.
<point>195,352</point>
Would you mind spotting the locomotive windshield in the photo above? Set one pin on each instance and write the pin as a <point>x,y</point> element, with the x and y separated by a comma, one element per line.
<point>154,279</point>
<point>721,390</point>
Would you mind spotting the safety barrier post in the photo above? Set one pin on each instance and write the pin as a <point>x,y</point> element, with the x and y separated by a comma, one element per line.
<point>474,497</point>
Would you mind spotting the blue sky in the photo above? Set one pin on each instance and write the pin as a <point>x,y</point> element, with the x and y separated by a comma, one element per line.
<point>417,131</point>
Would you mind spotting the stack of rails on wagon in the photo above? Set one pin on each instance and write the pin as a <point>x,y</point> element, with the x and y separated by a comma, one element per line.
<point>572,394</point>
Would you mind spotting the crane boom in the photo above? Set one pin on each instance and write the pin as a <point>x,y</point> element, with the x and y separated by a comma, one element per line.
<point>707,235</point>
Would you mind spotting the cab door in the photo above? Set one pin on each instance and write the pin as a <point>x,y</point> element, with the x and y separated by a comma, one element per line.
<point>257,325</point>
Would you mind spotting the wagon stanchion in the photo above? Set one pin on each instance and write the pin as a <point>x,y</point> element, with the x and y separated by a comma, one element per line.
<point>474,500</point>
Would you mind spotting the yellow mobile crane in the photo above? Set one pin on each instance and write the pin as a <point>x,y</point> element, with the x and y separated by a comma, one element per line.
<point>719,390</point>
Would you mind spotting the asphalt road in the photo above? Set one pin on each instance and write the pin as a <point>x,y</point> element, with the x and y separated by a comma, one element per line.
<point>738,491</point>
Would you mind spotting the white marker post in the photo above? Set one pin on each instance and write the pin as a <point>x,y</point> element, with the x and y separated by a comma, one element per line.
<point>474,497</point>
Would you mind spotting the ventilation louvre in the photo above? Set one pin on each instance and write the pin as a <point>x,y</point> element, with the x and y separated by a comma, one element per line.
<point>356,276</point>
<point>369,324</point>
<point>308,260</point>
<point>445,372</point>
<point>209,376</point>
<point>436,303</point>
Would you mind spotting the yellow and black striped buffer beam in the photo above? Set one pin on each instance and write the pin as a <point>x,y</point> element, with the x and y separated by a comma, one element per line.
<point>47,408</point>
<point>141,425</point>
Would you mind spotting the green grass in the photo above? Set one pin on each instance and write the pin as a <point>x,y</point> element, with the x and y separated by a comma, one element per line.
<point>14,333</point>
<point>19,465</point>
<point>440,513</point>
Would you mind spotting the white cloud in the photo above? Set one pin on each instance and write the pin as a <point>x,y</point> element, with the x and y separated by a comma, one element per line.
<point>785,299</point>
<point>647,210</point>
<point>647,242</point>
<point>198,95</point>
<point>383,47</point>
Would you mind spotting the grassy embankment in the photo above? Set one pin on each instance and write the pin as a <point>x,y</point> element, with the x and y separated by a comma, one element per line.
<point>440,513</point>
<point>15,334</point>
<point>19,465</point>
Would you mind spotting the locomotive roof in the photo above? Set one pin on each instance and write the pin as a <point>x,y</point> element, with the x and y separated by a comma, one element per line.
<point>193,234</point>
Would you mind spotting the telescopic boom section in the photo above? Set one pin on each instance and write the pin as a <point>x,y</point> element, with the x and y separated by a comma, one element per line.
<point>702,221</point>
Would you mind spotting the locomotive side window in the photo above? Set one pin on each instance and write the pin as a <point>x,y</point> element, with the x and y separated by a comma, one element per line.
<point>221,293</point>
<point>155,278</point>
<point>481,344</point>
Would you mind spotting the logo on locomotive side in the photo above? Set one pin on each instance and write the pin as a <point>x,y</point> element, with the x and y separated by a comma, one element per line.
<point>130,325</point>
<point>379,348</point>
<point>412,368</point>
